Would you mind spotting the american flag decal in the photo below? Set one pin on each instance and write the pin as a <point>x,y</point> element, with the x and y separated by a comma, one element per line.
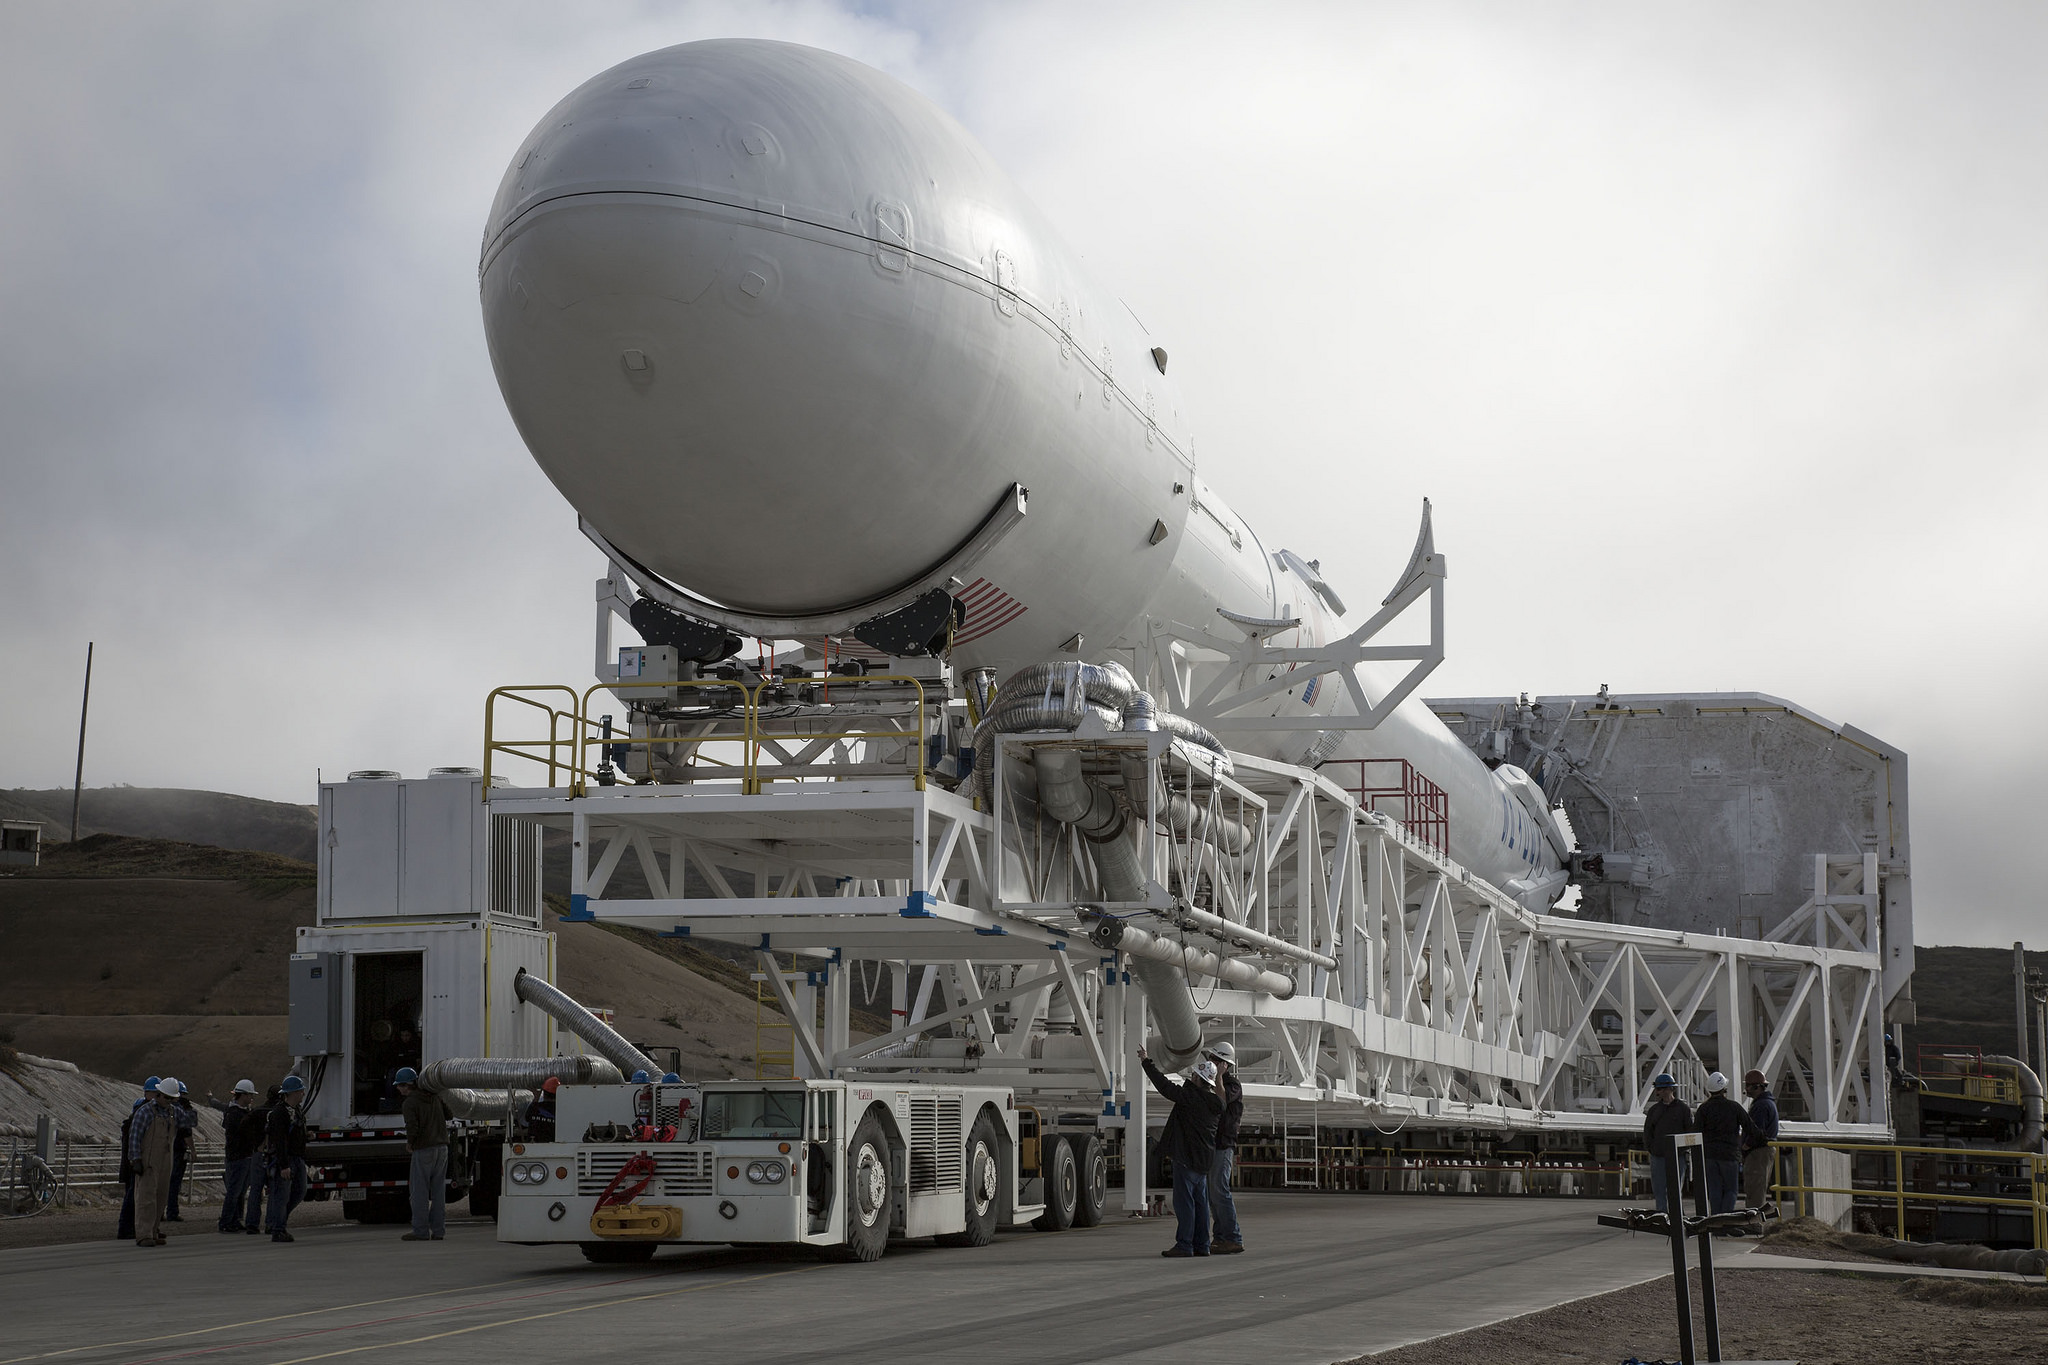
<point>989,609</point>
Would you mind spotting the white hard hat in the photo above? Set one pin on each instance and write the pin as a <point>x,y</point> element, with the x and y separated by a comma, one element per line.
<point>1224,1052</point>
<point>1716,1083</point>
<point>245,1087</point>
<point>1206,1070</point>
<point>169,1086</point>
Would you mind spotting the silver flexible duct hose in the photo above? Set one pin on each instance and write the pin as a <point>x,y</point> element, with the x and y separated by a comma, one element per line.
<point>483,1104</point>
<point>2029,1139</point>
<point>1069,797</point>
<point>609,1042</point>
<point>1147,948</point>
<point>500,1073</point>
<point>1184,817</point>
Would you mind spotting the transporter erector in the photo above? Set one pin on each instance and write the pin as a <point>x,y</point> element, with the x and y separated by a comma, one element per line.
<point>961,696</point>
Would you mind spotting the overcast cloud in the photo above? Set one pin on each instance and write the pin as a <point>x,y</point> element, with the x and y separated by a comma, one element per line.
<point>1716,334</point>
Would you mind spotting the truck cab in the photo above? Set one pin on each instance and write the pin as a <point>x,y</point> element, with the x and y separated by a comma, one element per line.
<point>840,1165</point>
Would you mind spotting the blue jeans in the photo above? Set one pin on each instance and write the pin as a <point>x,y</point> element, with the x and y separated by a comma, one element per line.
<point>1222,1208</point>
<point>1657,1179</point>
<point>1190,1210</point>
<point>427,1184</point>
<point>287,1188</point>
<point>244,1186</point>
<point>1724,1183</point>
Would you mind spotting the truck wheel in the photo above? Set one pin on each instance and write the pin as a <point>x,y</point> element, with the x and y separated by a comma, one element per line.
<point>867,1192</point>
<point>617,1253</point>
<point>984,1179</point>
<point>1062,1187</point>
<point>1093,1164</point>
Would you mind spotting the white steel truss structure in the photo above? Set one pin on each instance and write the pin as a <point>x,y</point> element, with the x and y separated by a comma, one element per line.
<point>1418,992</point>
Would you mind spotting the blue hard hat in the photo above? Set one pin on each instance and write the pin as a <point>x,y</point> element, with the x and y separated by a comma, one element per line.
<point>150,1084</point>
<point>639,1075</point>
<point>1664,1081</point>
<point>406,1076</point>
<point>292,1086</point>
<point>669,1078</point>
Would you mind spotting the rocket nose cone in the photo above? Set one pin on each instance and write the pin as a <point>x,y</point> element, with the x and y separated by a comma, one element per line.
<point>696,337</point>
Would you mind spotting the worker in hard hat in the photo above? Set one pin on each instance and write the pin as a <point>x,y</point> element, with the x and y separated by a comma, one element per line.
<point>1759,1158</point>
<point>124,1229</point>
<point>242,1160</point>
<point>284,1156</point>
<point>152,1140</point>
<point>426,1137</point>
<point>1723,1126</point>
<point>181,1152</point>
<point>1664,1117</point>
<point>1227,1238</point>
<point>540,1115</point>
<point>1189,1142</point>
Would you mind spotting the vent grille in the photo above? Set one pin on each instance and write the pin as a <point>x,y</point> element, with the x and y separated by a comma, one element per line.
<point>935,1159</point>
<point>680,1170</point>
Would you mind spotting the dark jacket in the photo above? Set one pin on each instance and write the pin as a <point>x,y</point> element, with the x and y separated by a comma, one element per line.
<point>1763,1112</point>
<point>1233,1114</point>
<point>1190,1137</point>
<point>1723,1126</point>
<point>284,1132</point>
<point>426,1121</point>
<point>241,1129</point>
<point>1661,1122</point>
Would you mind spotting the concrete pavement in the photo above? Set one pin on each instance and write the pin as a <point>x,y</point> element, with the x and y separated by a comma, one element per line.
<point>1328,1277</point>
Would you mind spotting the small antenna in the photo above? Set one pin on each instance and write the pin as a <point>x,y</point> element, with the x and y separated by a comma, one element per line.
<point>78,777</point>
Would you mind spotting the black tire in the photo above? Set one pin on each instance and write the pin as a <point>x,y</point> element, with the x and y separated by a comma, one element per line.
<point>983,1196</point>
<point>1062,1185</point>
<point>869,1192</point>
<point>1093,1164</point>
<point>618,1253</point>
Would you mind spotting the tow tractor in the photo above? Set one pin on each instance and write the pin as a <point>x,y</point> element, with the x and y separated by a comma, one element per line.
<point>841,1165</point>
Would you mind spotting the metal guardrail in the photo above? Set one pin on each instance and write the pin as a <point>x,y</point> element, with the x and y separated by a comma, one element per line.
<point>571,734</point>
<point>96,1166</point>
<point>2026,1168</point>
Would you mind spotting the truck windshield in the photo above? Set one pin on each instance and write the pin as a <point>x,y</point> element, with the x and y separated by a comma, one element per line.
<point>753,1114</point>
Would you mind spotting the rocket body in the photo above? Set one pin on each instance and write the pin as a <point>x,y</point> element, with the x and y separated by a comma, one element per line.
<point>783,332</point>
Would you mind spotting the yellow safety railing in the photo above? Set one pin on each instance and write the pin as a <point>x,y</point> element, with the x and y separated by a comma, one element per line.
<point>572,733</point>
<point>774,1035</point>
<point>593,733</point>
<point>916,737</point>
<point>561,751</point>
<point>2027,1166</point>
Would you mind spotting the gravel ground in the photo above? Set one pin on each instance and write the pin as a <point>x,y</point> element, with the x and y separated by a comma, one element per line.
<point>1814,1317</point>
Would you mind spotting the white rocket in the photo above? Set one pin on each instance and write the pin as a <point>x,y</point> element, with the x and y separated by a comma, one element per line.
<point>786,336</point>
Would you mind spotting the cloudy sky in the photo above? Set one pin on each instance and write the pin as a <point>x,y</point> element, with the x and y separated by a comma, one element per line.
<point>1715,333</point>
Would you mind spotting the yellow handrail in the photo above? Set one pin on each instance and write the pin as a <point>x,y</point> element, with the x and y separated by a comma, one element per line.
<point>520,747</point>
<point>2036,1173</point>
<point>745,737</point>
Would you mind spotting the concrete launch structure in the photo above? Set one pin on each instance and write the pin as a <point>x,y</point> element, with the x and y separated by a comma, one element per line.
<point>958,683</point>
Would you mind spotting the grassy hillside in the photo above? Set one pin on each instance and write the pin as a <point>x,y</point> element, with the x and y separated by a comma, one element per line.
<point>197,817</point>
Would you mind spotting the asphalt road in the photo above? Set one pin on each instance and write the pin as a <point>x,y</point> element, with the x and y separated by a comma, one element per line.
<point>1327,1277</point>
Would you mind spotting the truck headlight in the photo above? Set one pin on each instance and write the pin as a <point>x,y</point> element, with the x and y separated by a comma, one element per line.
<point>767,1172</point>
<point>528,1172</point>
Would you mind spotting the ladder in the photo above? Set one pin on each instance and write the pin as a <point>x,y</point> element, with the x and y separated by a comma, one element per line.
<point>774,1036</point>
<point>1300,1157</point>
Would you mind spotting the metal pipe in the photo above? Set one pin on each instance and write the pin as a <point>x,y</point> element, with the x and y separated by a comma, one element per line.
<point>1231,932</point>
<point>609,1042</point>
<point>1144,946</point>
<point>501,1073</point>
<point>2029,1139</point>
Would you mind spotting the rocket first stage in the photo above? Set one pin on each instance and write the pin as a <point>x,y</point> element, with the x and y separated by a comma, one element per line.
<point>787,337</point>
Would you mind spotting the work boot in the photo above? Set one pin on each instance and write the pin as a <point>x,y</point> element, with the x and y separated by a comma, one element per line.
<point>162,1240</point>
<point>145,1242</point>
<point>1226,1248</point>
<point>1175,1251</point>
<point>413,1237</point>
<point>282,1237</point>
<point>435,1238</point>
<point>253,1231</point>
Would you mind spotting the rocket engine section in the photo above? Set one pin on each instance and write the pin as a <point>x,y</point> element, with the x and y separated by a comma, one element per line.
<point>783,333</point>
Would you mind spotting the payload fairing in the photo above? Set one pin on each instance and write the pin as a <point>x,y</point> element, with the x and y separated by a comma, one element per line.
<point>786,336</point>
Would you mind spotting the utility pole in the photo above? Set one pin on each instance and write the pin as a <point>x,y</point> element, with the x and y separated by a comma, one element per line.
<point>78,778</point>
<point>2019,990</point>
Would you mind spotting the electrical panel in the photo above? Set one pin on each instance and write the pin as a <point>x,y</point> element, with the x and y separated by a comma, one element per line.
<point>315,1004</point>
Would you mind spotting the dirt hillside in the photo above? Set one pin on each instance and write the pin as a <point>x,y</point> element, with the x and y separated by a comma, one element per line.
<point>199,817</point>
<point>133,956</point>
